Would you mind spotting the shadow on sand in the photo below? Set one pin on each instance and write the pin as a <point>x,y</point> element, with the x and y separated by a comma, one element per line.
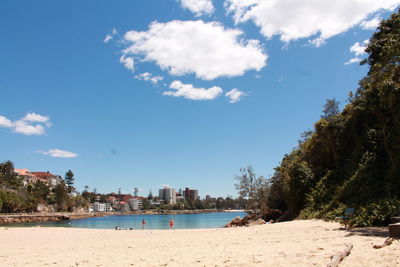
<point>367,231</point>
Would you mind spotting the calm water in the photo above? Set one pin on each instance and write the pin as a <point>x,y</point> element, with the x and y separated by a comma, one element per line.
<point>182,221</point>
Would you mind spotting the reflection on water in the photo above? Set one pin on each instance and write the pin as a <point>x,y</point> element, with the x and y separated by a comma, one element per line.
<point>182,221</point>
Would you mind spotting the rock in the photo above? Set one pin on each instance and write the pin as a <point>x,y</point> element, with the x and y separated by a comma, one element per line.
<point>259,221</point>
<point>394,230</point>
<point>395,219</point>
<point>248,220</point>
<point>235,222</point>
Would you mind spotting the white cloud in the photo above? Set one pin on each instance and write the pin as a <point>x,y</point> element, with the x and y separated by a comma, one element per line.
<point>198,7</point>
<point>371,24</point>
<point>110,36</point>
<point>353,60</point>
<point>57,153</point>
<point>23,127</point>
<point>206,49</point>
<point>128,62</point>
<point>31,124</point>
<point>6,123</point>
<point>34,117</point>
<point>234,95</point>
<point>316,19</point>
<point>107,38</point>
<point>147,76</point>
<point>190,92</point>
<point>358,49</point>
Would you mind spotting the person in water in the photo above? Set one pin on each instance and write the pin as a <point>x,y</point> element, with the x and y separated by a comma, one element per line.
<point>143,223</point>
<point>171,224</point>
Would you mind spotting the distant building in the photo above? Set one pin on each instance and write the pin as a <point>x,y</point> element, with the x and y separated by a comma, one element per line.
<point>124,206</point>
<point>135,203</point>
<point>191,194</point>
<point>26,176</point>
<point>179,196</point>
<point>168,195</point>
<point>102,207</point>
<point>112,200</point>
<point>155,202</point>
<point>50,179</point>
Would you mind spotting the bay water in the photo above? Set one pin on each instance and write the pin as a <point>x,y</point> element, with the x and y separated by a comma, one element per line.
<point>181,221</point>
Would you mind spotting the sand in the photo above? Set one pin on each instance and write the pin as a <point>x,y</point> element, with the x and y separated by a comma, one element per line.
<point>297,243</point>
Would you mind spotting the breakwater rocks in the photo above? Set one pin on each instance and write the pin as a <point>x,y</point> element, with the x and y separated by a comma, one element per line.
<point>46,217</point>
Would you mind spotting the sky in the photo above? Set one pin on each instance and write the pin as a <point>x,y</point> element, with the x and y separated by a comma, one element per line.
<point>183,93</point>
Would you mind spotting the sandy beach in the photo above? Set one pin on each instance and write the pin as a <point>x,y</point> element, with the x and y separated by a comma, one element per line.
<point>297,243</point>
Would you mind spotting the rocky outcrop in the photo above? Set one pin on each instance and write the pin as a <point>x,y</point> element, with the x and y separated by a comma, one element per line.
<point>234,222</point>
<point>246,221</point>
<point>259,221</point>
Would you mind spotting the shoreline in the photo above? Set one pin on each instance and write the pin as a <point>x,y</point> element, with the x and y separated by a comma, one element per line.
<point>296,243</point>
<point>16,218</point>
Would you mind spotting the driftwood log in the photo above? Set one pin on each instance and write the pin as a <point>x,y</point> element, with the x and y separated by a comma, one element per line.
<point>338,257</point>
<point>387,242</point>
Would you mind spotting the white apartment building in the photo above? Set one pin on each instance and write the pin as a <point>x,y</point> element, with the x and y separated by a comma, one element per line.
<point>168,195</point>
<point>135,204</point>
<point>102,207</point>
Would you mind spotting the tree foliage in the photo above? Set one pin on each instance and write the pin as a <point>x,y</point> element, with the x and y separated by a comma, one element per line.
<point>252,188</point>
<point>17,197</point>
<point>352,157</point>
<point>69,180</point>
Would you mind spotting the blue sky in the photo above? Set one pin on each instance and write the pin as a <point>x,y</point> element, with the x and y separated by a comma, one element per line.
<point>139,93</point>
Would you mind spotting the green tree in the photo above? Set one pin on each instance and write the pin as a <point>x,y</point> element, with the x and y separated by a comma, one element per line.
<point>145,204</point>
<point>150,196</point>
<point>69,180</point>
<point>40,192</point>
<point>251,188</point>
<point>331,108</point>
<point>61,197</point>
<point>7,170</point>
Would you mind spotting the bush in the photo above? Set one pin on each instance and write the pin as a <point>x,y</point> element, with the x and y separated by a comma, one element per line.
<point>15,202</point>
<point>376,214</point>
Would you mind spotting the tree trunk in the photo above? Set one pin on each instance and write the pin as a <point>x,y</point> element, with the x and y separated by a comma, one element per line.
<point>338,257</point>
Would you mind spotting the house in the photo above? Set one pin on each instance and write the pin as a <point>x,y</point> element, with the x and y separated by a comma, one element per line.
<point>179,197</point>
<point>26,176</point>
<point>123,206</point>
<point>49,178</point>
<point>156,202</point>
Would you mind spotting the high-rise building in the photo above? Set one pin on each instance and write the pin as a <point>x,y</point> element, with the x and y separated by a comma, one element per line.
<point>168,195</point>
<point>191,194</point>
